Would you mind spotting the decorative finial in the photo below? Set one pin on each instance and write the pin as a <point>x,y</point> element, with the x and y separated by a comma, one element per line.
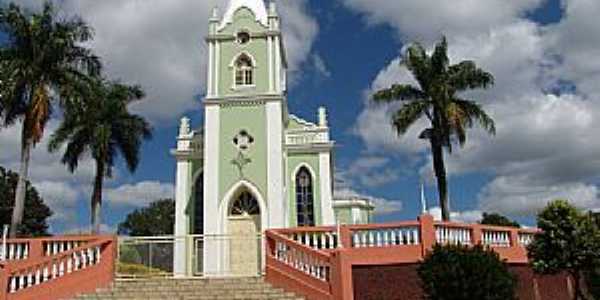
<point>184,127</point>
<point>215,12</point>
<point>322,116</point>
<point>272,8</point>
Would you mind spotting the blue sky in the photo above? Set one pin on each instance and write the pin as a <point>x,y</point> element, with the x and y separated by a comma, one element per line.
<point>543,53</point>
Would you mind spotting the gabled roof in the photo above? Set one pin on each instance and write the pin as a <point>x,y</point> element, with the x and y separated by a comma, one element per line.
<point>256,6</point>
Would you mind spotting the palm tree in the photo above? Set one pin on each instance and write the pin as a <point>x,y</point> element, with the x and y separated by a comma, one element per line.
<point>102,127</point>
<point>42,65</point>
<point>438,98</point>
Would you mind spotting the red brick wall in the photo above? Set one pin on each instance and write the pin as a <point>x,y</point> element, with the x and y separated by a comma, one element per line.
<point>402,282</point>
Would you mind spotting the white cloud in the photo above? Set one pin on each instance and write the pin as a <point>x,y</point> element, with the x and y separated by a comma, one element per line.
<point>517,195</point>
<point>159,45</point>
<point>470,216</point>
<point>139,194</point>
<point>546,145</point>
<point>367,171</point>
<point>382,206</point>
<point>320,67</point>
<point>428,19</point>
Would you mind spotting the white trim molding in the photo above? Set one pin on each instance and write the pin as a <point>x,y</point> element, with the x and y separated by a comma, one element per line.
<point>211,184</point>
<point>275,170</point>
<point>327,215</point>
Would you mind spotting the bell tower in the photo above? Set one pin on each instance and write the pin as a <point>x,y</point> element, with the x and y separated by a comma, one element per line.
<point>245,111</point>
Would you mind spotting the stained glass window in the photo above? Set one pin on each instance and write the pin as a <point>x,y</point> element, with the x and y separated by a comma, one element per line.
<point>304,198</point>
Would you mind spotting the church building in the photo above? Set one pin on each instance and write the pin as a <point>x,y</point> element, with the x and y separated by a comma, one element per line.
<point>253,165</point>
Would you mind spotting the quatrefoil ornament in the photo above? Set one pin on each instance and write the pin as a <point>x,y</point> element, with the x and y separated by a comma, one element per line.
<point>243,140</point>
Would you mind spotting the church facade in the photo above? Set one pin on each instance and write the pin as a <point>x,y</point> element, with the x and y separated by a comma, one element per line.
<point>253,165</point>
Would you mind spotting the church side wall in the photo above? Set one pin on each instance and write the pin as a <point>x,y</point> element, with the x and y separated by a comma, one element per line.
<point>294,163</point>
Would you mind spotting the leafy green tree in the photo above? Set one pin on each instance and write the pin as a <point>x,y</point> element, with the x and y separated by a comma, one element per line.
<point>593,282</point>
<point>498,220</point>
<point>154,220</point>
<point>456,272</point>
<point>103,127</point>
<point>569,241</point>
<point>36,212</point>
<point>439,99</point>
<point>42,64</point>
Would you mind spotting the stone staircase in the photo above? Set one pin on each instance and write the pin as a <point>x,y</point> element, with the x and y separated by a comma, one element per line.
<point>191,289</point>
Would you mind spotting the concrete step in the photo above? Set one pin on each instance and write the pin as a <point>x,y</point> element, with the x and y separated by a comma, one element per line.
<point>251,288</point>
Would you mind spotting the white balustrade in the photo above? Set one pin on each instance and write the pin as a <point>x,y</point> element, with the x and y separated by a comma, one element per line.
<point>56,247</point>
<point>53,269</point>
<point>495,238</point>
<point>525,238</point>
<point>302,261</point>
<point>14,251</point>
<point>316,239</point>
<point>385,237</point>
<point>453,235</point>
<point>308,137</point>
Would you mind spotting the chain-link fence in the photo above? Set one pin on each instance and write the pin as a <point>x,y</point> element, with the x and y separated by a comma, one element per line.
<point>154,256</point>
<point>145,256</point>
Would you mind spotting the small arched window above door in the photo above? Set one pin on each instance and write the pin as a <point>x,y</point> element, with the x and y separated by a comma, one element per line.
<point>305,211</point>
<point>244,71</point>
<point>245,204</point>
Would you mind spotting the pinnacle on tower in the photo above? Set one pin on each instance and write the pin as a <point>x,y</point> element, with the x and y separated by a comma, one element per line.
<point>256,6</point>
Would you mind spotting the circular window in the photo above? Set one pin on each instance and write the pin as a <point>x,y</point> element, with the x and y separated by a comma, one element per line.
<point>243,37</point>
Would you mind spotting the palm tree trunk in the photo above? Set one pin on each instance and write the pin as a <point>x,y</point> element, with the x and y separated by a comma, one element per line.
<point>440,173</point>
<point>19,208</point>
<point>97,198</point>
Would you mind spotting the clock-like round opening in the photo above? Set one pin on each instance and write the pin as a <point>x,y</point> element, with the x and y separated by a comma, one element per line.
<point>243,37</point>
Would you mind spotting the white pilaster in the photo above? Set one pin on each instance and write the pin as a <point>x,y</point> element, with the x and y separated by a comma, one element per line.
<point>278,58</point>
<point>183,184</point>
<point>275,165</point>
<point>210,87</point>
<point>356,218</point>
<point>217,66</point>
<point>270,57</point>
<point>211,188</point>
<point>326,189</point>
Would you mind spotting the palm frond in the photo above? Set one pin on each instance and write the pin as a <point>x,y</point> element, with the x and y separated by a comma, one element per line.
<point>402,92</point>
<point>473,111</point>
<point>439,58</point>
<point>418,63</point>
<point>466,75</point>
<point>408,114</point>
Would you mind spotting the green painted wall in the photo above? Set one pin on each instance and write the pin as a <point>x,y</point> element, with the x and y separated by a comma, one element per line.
<point>312,160</point>
<point>245,20</point>
<point>294,124</point>
<point>233,120</point>
<point>343,215</point>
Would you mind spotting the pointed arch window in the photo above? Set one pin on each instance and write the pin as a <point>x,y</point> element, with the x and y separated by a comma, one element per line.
<point>245,204</point>
<point>244,71</point>
<point>305,198</point>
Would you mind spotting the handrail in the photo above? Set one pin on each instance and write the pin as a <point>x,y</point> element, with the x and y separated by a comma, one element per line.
<point>20,249</point>
<point>370,244</point>
<point>70,272</point>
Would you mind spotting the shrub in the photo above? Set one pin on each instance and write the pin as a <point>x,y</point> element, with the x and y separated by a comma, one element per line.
<point>458,272</point>
<point>137,270</point>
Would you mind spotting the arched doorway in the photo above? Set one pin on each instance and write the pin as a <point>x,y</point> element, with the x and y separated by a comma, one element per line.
<point>244,229</point>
